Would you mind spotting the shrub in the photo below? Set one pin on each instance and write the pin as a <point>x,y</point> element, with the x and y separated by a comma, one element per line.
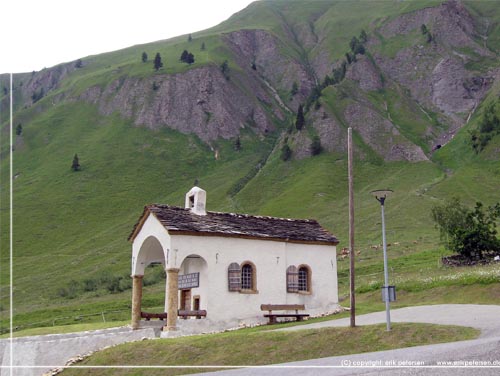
<point>286,153</point>
<point>470,233</point>
<point>316,146</point>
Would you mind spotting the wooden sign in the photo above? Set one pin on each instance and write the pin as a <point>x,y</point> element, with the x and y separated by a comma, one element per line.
<point>189,281</point>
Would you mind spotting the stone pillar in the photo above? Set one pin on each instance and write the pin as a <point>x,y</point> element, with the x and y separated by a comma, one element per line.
<point>136,300</point>
<point>173,299</point>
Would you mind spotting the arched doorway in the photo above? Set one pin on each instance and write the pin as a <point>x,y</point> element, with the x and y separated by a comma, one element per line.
<point>148,268</point>
<point>193,283</point>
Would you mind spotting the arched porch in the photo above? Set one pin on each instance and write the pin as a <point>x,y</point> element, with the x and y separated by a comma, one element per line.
<point>150,252</point>
<point>186,289</point>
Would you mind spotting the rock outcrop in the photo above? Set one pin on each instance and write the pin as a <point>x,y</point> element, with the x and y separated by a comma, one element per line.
<point>435,71</point>
<point>200,101</point>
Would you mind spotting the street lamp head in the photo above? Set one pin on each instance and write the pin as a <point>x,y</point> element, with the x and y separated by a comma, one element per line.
<point>381,194</point>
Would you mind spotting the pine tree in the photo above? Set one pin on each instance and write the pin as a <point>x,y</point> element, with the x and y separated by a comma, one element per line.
<point>144,57</point>
<point>237,144</point>
<point>190,38</point>
<point>190,58</point>
<point>19,129</point>
<point>348,58</point>
<point>157,63</point>
<point>75,166</point>
<point>224,67</point>
<point>316,146</point>
<point>202,46</point>
<point>299,122</point>
<point>184,55</point>
<point>363,36</point>
<point>356,46</point>
<point>353,43</point>
<point>286,153</point>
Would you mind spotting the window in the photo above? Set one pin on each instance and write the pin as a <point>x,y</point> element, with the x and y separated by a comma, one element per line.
<point>304,279</point>
<point>292,279</point>
<point>242,278</point>
<point>298,279</point>
<point>247,277</point>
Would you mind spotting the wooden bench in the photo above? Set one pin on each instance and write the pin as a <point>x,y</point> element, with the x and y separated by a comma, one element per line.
<point>283,307</point>
<point>198,314</point>
<point>181,313</point>
<point>148,316</point>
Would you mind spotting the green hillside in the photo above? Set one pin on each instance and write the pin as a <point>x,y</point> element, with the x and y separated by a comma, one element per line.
<point>71,255</point>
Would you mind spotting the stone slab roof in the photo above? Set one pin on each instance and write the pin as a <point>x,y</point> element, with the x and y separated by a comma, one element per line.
<point>180,221</point>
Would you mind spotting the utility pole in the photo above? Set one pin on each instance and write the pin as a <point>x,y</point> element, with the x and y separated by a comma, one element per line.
<point>351,228</point>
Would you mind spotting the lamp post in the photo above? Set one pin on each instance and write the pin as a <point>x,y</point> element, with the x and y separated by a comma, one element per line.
<point>381,195</point>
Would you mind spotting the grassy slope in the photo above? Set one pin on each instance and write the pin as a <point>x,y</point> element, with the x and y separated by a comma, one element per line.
<point>257,347</point>
<point>74,225</point>
<point>71,226</point>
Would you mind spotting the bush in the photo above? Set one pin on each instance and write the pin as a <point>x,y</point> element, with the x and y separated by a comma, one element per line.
<point>71,291</point>
<point>316,146</point>
<point>90,285</point>
<point>224,68</point>
<point>286,153</point>
<point>300,121</point>
<point>470,233</point>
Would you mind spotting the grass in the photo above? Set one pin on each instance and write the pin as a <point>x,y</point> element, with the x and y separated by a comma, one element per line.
<point>260,348</point>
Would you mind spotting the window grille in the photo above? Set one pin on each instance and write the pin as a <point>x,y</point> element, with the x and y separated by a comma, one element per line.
<point>247,277</point>
<point>303,279</point>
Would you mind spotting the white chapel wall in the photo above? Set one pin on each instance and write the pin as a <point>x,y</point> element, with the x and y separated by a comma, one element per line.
<point>271,259</point>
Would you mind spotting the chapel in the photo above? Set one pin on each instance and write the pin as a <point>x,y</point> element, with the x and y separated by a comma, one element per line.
<point>227,265</point>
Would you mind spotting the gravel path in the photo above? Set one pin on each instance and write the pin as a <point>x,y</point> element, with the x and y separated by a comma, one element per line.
<point>477,357</point>
<point>483,317</point>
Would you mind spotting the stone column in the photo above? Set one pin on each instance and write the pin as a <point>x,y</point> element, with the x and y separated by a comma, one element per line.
<point>136,300</point>
<point>173,300</point>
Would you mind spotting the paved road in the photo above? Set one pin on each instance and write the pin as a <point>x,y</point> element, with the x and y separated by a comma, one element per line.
<point>32,356</point>
<point>474,355</point>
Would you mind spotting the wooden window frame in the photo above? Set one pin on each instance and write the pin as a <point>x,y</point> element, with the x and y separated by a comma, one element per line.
<point>308,279</point>
<point>253,289</point>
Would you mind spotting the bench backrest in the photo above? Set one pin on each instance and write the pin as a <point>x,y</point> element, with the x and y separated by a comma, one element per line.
<point>183,312</point>
<point>282,307</point>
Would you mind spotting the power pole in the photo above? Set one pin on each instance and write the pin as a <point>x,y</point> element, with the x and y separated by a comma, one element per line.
<point>351,228</point>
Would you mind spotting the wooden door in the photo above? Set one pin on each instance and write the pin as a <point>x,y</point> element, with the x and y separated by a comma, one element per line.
<point>185,300</point>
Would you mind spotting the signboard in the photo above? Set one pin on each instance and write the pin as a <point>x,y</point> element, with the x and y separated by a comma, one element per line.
<point>189,281</point>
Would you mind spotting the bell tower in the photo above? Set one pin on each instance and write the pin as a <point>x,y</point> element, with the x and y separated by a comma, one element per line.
<point>196,200</point>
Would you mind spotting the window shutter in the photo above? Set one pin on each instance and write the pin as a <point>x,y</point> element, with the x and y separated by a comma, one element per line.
<point>292,279</point>
<point>234,277</point>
